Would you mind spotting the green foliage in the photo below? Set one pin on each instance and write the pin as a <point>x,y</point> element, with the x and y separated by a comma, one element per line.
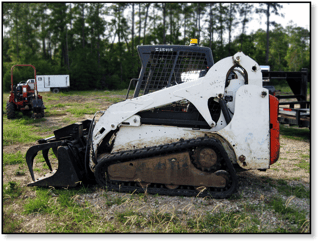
<point>298,54</point>
<point>100,53</point>
<point>278,49</point>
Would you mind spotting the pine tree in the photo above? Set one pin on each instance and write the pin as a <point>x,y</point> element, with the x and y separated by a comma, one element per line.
<point>245,11</point>
<point>271,8</point>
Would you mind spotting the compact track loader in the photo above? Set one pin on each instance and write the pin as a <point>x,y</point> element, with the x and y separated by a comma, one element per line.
<point>190,125</point>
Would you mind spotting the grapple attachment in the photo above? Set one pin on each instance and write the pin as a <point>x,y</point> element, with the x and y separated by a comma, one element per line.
<point>69,145</point>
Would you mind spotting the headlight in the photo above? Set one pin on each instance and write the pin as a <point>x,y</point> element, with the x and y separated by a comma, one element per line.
<point>24,89</point>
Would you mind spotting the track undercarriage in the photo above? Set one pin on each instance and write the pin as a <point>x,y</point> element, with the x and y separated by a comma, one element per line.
<point>187,168</point>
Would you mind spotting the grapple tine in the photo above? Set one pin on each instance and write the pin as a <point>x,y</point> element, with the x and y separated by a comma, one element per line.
<point>32,152</point>
<point>45,153</point>
<point>55,151</point>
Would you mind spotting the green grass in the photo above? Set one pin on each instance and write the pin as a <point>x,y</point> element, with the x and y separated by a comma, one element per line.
<point>114,200</point>
<point>287,190</point>
<point>113,99</point>
<point>304,165</point>
<point>59,105</point>
<point>78,111</point>
<point>20,130</point>
<point>295,133</point>
<point>40,204</point>
<point>69,216</point>
<point>10,224</point>
<point>296,218</point>
<point>233,222</point>
<point>50,98</point>
<point>12,159</point>
<point>54,113</point>
<point>156,222</point>
<point>284,87</point>
<point>11,190</point>
<point>305,156</point>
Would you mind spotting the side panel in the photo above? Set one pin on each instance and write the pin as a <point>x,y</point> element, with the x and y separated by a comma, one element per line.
<point>248,132</point>
<point>130,138</point>
<point>274,130</point>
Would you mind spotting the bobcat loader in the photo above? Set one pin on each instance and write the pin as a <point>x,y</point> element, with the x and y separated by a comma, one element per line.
<point>190,125</point>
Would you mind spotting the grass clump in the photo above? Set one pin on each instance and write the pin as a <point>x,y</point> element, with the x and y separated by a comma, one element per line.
<point>296,218</point>
<point>40,204</point>
<point>13,159</point>
<point>11,190</point>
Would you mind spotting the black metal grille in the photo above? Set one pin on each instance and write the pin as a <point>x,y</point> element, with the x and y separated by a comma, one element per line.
<point>167,68</point>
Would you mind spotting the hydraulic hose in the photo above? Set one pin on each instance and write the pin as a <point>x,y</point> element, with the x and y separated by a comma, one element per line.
<point>225,111</point>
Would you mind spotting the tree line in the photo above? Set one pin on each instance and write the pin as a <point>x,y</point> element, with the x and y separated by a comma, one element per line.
<point>95,43</point>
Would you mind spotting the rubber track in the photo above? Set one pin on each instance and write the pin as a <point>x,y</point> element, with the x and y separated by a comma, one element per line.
<point>106,160</point>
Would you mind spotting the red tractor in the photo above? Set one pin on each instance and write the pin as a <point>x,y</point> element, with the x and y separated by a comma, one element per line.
<point>24,97</point>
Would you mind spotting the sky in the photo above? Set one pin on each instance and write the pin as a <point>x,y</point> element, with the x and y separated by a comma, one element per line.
<point>299,13</point>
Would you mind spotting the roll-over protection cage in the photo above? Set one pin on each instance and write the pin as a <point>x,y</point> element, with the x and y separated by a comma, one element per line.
<point>168,65</point>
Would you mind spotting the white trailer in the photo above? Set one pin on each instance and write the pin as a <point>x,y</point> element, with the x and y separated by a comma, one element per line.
<point>54,83</point>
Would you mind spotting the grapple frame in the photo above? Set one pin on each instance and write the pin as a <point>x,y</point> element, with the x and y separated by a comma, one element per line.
<point>69,145</point>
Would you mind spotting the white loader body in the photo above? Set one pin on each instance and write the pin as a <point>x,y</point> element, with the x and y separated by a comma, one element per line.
<point>247,134</point>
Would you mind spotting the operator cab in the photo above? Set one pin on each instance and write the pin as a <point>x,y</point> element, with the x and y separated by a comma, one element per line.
<point>167,65</point>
